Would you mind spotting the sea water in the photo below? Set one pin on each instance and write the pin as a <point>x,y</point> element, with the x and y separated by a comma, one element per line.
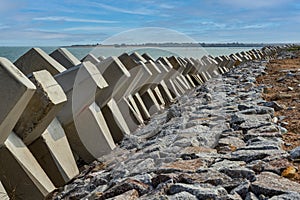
<point>13,53</point>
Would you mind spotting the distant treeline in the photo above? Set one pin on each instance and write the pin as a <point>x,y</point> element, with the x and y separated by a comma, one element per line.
<point>170,44</point>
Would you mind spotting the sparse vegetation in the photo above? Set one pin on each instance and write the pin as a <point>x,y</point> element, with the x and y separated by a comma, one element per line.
<point>294,48</point>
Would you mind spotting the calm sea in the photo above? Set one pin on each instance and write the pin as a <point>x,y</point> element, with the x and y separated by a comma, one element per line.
<point>13,53</point>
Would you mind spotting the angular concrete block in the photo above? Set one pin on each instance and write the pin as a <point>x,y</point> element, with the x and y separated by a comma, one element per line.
<point>141,106</point>
<point>21,175</point>
<point>86,80</point>
<point>91,58</point>
<point>115,74</point>
<point>132,115</point>
<point>115,120</point>
<point>16,91</point>
<point>101,58</point>
<point>137,57</point>
<point>65,58</point>
<point>53,152</point>
<point>35,60</point>
<point>148,57</point>
<point>89,135</point>
<point>150,102</point>
<point>46,102</point>
<point>3,194</point>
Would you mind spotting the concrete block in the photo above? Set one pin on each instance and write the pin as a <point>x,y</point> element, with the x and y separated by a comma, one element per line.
<point>16,91</point>
<point>131,114</point>
<point>101,58</point>
<point>140,85</point>
<point>137,57</point>
<point>3,194</point>
<point>115,120</point>
<point>141,106</point>
<point>86,80</point>
<point>65,58</point>
<point>91,58</point>
<point>35,60</point>
<point>46,102</point>
<point>115,74</point>
<point>150,102</point>
<point>148,57</point>
<point>53,152</point>
<point>130,84</point>
<point>89,135</point>
<point>22,176</point>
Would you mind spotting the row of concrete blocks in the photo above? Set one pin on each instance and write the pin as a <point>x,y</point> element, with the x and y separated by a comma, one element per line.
<point>56,110</point>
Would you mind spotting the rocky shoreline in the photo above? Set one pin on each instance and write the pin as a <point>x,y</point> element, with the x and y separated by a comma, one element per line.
<point>217,142</point>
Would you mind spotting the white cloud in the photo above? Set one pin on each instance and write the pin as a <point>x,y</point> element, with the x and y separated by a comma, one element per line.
<point>255,3</point>
<point>137,11</point>
<point>70,19</point>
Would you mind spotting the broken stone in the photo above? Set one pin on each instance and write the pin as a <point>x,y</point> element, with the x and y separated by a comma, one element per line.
<point>295,153</point>
<point>200,191</point>
<point>270,184</point>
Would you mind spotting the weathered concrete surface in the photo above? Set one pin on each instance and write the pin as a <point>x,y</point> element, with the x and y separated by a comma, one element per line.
<point>53,152</point>
<point>65,58</point>
<point>46,102</point>
<point>16,91</point>
<point>21,175</point>
<point>89,135</point>
<point>90,58</point>
<point>3,194</point>
<point>81,84</point>
<point>35,60</point>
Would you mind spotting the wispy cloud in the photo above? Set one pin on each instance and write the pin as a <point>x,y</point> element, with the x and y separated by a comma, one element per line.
<point>254,3</point>
<point>92,28</point>
<point>135,11</point>
<point>70,19</point>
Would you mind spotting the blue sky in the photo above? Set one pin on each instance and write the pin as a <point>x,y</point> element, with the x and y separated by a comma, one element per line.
<point>66,22</point>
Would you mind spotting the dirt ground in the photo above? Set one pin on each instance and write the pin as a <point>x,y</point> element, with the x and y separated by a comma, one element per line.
<point>283,86</point>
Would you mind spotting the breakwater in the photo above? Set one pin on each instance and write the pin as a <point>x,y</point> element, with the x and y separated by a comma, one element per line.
<point>58,113</point>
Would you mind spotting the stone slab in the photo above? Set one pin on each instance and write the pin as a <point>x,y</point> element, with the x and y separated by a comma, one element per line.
<point>46,102</point>
<point>35,60</point>
<point>16,91</point>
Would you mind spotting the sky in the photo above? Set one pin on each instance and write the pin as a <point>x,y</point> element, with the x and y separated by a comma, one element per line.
<point>68,22</point>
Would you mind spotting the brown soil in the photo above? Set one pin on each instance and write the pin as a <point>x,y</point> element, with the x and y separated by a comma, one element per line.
<point>285,90</point>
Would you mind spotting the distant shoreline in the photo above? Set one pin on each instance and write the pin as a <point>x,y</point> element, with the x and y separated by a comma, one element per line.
<point>172,45</point>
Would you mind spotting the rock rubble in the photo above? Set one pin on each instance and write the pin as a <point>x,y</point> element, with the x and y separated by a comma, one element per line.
<point>218,142</point>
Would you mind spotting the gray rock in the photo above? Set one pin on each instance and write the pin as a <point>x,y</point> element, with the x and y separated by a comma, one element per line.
<point>143,166</point>
<point>239,172</point>
<point>270,184</point>
<point>273,104</point>
<point>288,196</point>
<point>295,153</point>
<point>251,196</point>
<point>251,155</point>
<point>242,189</point>
<point>200,191</point>
<point>227,163</point>
<point>234,196</point>
<point>182,196</point>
